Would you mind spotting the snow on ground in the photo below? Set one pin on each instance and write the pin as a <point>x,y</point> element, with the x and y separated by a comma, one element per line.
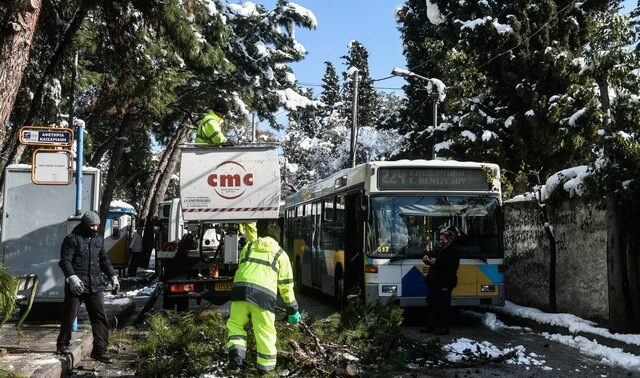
<point>142,292</point>
<point>491,321</point>
<point>610,356</point>
<point>117,301</point>
<point>463,348</point>
<point>573,323</point>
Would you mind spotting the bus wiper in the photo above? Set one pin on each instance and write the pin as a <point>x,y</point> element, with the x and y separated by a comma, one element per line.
<point>405,257</point>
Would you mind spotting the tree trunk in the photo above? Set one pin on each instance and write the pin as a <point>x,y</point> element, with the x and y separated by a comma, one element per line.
<point>158,195</point>
<point>126,125</point>
<point>619,310</point>
<point>174,159</point>
<point>162,165</point>
<point>17,35</point>
<point>13,148</point>
<point>102,149</point>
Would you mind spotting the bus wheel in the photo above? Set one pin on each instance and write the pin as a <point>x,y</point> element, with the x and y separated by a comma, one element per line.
<point>341,300</point>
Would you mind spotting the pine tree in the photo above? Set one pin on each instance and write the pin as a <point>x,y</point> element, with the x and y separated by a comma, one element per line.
<point>511,74</point>
<point>330,86</point>
<point>358,57</point>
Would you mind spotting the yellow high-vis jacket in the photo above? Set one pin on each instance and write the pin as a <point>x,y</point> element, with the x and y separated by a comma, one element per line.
<point>264,270</point>
<point>210,129</point>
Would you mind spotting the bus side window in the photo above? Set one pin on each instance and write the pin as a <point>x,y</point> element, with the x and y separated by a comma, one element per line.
<point>115,228</point>
<point>339,222</point>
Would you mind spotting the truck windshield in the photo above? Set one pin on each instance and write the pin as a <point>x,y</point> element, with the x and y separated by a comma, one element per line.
<point>407,226</point>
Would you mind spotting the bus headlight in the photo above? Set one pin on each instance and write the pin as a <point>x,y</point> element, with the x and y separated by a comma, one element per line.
<point>390,289</point>
<point>487,288</point>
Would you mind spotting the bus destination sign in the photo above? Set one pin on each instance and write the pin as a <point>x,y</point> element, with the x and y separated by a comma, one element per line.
<point>425,178</point>
<point>46,136</point>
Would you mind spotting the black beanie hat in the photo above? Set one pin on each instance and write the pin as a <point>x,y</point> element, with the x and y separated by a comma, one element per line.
<point>90,218</point>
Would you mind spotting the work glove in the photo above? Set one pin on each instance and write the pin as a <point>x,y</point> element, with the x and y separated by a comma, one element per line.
<point>75,284</point>
<point>115,284</point>
<point>295,318</point>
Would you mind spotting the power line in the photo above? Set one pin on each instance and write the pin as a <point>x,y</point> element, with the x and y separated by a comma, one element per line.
<point>320,85</point>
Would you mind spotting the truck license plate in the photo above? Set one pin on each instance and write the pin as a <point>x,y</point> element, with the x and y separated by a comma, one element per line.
<point>224,286</point>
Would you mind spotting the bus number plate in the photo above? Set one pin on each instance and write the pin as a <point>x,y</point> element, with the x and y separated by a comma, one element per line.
<point>224,286</point>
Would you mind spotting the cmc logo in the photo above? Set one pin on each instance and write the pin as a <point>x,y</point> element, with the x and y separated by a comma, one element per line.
<point>230,179</point>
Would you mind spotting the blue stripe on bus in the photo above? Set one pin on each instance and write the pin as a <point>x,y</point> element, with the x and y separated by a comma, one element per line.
<point>491,271</point>
<point>413,284</point>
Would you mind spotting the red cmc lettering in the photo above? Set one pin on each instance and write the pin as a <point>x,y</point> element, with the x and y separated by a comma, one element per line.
<point>229,180</point>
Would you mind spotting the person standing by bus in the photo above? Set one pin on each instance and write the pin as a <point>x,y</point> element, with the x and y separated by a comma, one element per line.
<point>264,270</point>
<point>83,261</point>
<point>441,279</point>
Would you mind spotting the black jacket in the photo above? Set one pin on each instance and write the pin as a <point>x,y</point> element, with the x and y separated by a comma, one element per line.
<point>444,273</point>
<point>82,253</point>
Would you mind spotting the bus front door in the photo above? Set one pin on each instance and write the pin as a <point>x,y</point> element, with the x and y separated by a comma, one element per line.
<point>318,257</point>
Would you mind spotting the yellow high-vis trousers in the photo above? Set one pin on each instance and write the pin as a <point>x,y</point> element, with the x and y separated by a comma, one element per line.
<point>263,323</point>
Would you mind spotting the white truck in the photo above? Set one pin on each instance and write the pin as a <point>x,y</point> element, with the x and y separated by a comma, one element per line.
<point>220,188</point>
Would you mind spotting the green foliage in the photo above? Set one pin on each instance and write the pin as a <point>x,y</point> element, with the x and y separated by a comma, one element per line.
<point>194,343</point>
<point>7,291</point>
<point>182,345</point>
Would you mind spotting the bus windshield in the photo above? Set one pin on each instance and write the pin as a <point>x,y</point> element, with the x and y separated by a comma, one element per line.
<point>407,226</point>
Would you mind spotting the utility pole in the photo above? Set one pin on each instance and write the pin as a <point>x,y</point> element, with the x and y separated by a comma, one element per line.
<point>434,94</point>
<point>354,119</point>
<point>435,120</point>
<point>253,127</point>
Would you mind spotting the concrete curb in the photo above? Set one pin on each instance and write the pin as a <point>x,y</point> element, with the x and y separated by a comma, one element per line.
<point>31,350</point>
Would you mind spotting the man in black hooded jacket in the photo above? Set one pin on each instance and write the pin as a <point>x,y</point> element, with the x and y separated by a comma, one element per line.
<point>441,280</point>
<point>83,261</point>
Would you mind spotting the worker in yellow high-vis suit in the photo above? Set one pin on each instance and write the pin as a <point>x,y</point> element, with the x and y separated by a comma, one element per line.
<point>264,270</point>
<point>210,128</point>
<point>210,132</point>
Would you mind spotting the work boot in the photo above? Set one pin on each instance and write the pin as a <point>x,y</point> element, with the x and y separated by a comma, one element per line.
<point>102,357</point>
<point>233,366</point>
<point>63,350</point>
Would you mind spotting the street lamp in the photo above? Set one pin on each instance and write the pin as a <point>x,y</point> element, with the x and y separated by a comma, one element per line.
<point>435,87</point>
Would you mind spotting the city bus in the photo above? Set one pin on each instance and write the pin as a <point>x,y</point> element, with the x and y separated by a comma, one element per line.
<point>362,232</point>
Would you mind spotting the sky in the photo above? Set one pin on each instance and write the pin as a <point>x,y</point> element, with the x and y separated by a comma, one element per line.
<point>371,22</point>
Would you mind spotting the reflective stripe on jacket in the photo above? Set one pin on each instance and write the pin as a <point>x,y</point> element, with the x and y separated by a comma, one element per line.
<point>210,129</point>
<point>264,270</point>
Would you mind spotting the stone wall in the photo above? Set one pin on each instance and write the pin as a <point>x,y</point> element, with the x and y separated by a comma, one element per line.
<point>581,263</point>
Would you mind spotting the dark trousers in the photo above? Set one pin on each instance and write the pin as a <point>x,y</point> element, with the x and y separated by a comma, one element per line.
<point>95,308</point>
<point>438,307</point>
<point>134,263</point>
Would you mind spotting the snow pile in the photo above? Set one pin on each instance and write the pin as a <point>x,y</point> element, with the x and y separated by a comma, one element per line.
<point>573,323</point>
<point>463,349</point>
<point>610,356</point>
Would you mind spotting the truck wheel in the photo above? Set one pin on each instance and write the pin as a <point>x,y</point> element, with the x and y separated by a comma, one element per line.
<point>168,303</point>
<point>182,304</point>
